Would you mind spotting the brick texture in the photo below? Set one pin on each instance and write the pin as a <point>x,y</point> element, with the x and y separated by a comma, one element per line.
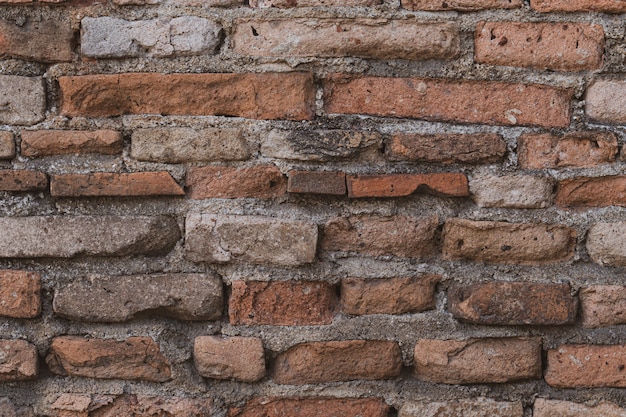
<point>592,192</point>
<point>59,142</point>
<point>20,294</point>
<point>602,305</point>
<point>575,366</point>
<point>227,182</point>
<point>605,101</point>
<point>235,358</point>
<point>607,6</point>
<point>399,185</point>
<point>470,407</point>
<point>330,183</point>
<point>104,184</point>
<point>548,408</point>
<point>19,360</point>
<point>606,245</point>
<point>23,99</point>
<point>512,191</point>
<point>43,41</point>
<point>461,5</point>
<point>7,145</point>
<point>311,407</point>
<point>22,180</point>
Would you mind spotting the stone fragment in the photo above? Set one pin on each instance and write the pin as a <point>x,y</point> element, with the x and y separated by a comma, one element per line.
<point>511,191</point>
<point>262,181</point>
<point>36,143</point>
<point>22,100</point>
<point>606,244</point>
<point>235,358</point>
<point>18,360</point>
<point>466,407</point>
<point>20,294</point>
<point>586,366</point>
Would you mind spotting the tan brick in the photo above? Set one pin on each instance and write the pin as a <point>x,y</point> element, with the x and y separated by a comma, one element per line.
<point>461,5</point>
<point>466,407</point>
<point>312,182</point>
<point>606,243</point>
<point>287,4</point>
<point>282,303</point>
<point>20,294</point>
<point>592,192</point>
<point>263,181</point>
<point>388,295</point>
<point>102,184</point>
<point>257,96</point>
<point>478,361</point>
<point>399,185</point>
<point>136,358</point>
<point>19,360</point>
<point>43,41</point>
<point>492,103</point>
<point>408,237</point>
<point>22,180</point>
<point>7,145</point>
<point>511,191</point>
<point>23,100</point>
<point>311,407</point>
<point>605,101</point>
<point>551,408</point>
<point>60,142</point>
<point>578,366</point>
<point>509,243</point>
<point>346,360</point>
<point>602,305</point>
<point>565,46</point>
<point>607,6</point>
<point>235,358</point>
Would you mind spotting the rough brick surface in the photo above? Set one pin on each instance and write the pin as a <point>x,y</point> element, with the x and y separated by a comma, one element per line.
<point>19,360</point>
<point>551,408</point>
<point>346,360</point>
<point>257,96</point>
<point>409,237</point>
<point>59,142</point>
<point>511,243</point>
<point>492,103</point>
<point>235,358</point>
<point>99,298</point>
<point>7,145</point>
<point>20,294</point>
<point>478,361</point>
<point>606,244</point>
<point>461,5</point>
<point>102,184</point>
<point>577,366</point>
<point>606,101</point>
<point>512,191</point>
<point>255,239</point>
<point>592,192</point>
<point>263,181</point>
<point>602,305</point>
<point>22,180</point>
<point>280,303</point>
<point>44,41</point>
<point>23,100</point>
<point>470,407</point>
<point>309,182</point>
<point>136,358</point>
<point>286,4</point>
<point>513,303</point>
<point>399,185</point>
<point>388,295</point>
<point>312,407</point>
<point>608,6</point>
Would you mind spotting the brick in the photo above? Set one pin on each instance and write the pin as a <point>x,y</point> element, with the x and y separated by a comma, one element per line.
<point>19,360</point>
<point>606,6</point>
<point>257,96</point>
<point>22,180</point>
<point>109,184</point>
<point>346,360</point>
<point>446,148</point>
<point>320,145</point>
<point>101,298</point>
<point>578,366</point>
<point>513,303</point>
<point>509,243</point>
<point>478,361</point>
<point>606,244</point>
<point>180,145</point>
<point>576,150</point>
<point>7,145</point>
<point>491,103</point>
<point>69,236</point>
<point>262,181</point>
<point>511,191</point>
<point>62,142</point>
<point>286,4</point>
<point>366,38</point>
<point>282,303</point>
<point>461,5</point>
<point>408,237</point>
<point>136,358</point>
<point>592,192</point>
<point>20,294</point>
<point>23,100</point>
<point>563,46</point>
<point>254,239</point>
<point>107,37</point>
<point>449,184</point>
<point>235,358</point>
<point>309,182</point>
<point>311,407</point>
<point>550,408</point>
<point>602,305</point>
<point>44,41</point>
<point>465,407</point>
<point>605,101</point>
<point>388,295</point>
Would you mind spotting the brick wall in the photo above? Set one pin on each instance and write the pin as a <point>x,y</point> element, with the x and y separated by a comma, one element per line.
<point>313,208</point>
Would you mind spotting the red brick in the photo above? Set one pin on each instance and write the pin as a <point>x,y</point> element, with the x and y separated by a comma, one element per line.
<point>602,305</point>
<point>112,184</point>
<point>264,181</point>
<point>258,96</point>
<point>592,192</point>
<point>234,358</point>
<point>19,360</point>
<point>607,6</point>
<point>20,294</point>
<point>22,180</point>
<point>60,142</point>
<point>409,237</point>
<point>346,360</point>
<point>400,185</point>
<point>43,41</point>
<point>586,366</point>
<point>282,303</point>
<point>492,103</point>
<point>309,182</point>
<point>312,407</point>
<point>478,361</point>
<point>563,46</point>
<point>461,5</point>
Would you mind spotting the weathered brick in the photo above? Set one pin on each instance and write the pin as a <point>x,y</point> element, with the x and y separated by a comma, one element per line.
<point>446,148</point>
<point>19,360</point>
<point>320,182</point>
<point>311,407</point>
<point>69,236</point>
<point>606,6</point>
<point>20,294</point>
<point>179,145</point>
<point>287,4</point>
<point>257,96</point>
<point>100,298</point>
<point>511,243</point>
<point>466,407</point>
<point>478,361</point>
<point>388,295</point>
<point>7,145</point>
<point>461,5</point>
<point>606,243</point>
<point>23,100</point>
<point>60,142</point>
<point>408,237</point>
<point>450,184</point>
<point>592,192</point>
<point>551,408</point>
<point>578,150</point>
<point>22,180</point>
<point>511,191</point>
<point>492,103</point>
<point>577,366</point>
<point>255,239</point>
<point>602,305</point>
<point>136,358</point>
<point>346,360</point>
<point>367,38</point>
<point>236,358</point>
<point>43,41</point>
<point>605,101</point>
<point>262,181</point>
<point>563,46</point>
<point>101,184</point>
<point>513,303</point>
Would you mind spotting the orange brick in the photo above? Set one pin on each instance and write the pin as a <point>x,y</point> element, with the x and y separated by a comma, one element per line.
<point>400,185</point>
<point>111,184</point>
<point>607,6</point>
<point>592,192</point>
<point>578,366</point>
<point>228,182</point>
<point>59,142</point>
<point>20,294</point>
<point>22,180</point>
